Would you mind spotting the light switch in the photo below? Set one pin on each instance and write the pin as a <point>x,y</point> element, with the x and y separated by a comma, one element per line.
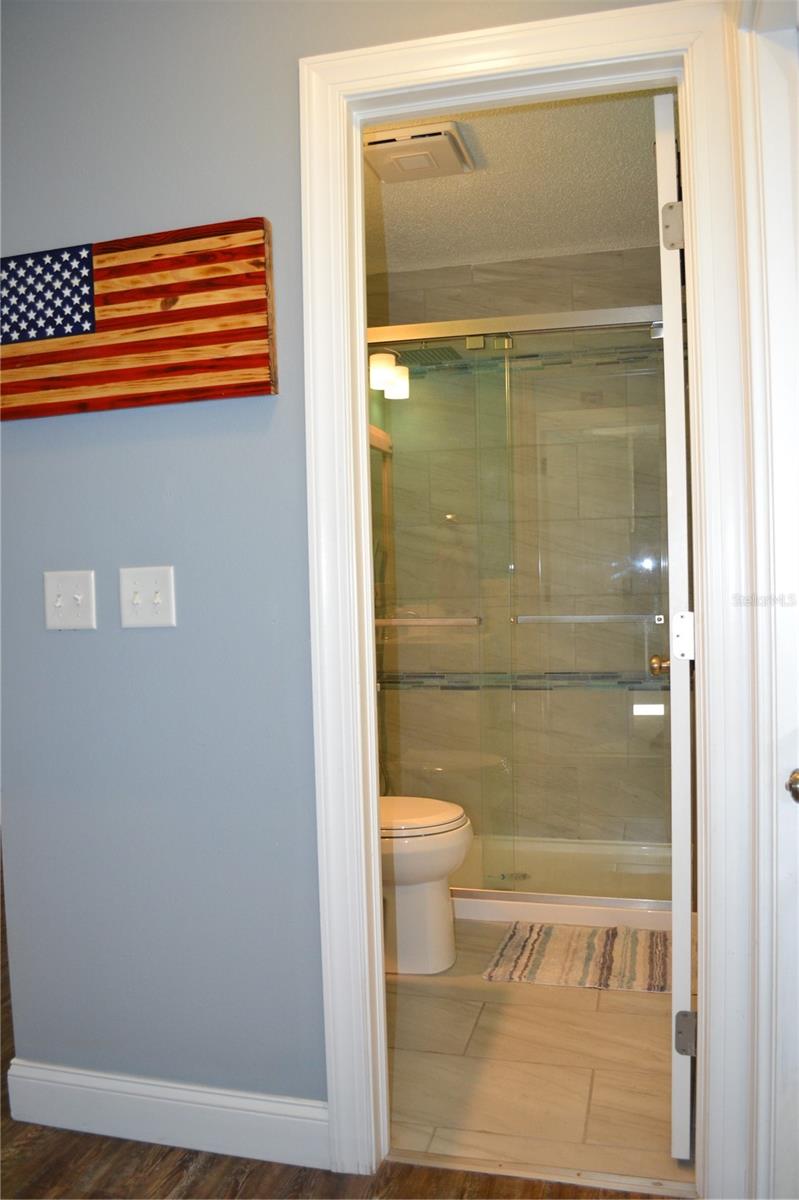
<point>147,596</point>
<point>69,600</point>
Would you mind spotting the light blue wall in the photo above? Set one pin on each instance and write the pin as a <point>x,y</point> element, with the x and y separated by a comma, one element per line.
<point>158,789</point>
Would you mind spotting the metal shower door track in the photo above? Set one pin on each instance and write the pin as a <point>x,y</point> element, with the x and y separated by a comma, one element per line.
<point>592,318</point>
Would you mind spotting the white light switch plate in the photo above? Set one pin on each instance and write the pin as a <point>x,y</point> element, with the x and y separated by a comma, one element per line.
<point>147,596</point>
<point>69,601</point>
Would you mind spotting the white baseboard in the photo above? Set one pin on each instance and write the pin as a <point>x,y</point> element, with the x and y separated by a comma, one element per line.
<point>252,1125</point>
<point>476,909</point>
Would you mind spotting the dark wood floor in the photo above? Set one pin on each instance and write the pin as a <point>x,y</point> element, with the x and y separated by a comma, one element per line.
<point>38,1161</point>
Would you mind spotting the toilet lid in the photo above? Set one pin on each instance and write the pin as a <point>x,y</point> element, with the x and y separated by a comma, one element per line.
<point>414,816</point>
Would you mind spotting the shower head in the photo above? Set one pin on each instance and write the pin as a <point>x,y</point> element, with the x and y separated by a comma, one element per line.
<point>429,356</point>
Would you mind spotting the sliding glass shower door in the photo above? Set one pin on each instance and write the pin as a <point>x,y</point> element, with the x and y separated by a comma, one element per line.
<point>588,609</point>
<point>526,554</point>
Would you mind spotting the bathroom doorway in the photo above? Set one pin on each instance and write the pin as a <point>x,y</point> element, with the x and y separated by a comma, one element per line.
<point>678,45</point>
<point>539,504</point>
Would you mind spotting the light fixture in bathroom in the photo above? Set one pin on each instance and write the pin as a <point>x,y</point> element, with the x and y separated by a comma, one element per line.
<point>398,384</point>
<point>381,367</point>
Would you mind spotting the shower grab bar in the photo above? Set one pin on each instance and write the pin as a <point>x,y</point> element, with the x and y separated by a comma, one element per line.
<point>572,619</point>
<point>382,622</point>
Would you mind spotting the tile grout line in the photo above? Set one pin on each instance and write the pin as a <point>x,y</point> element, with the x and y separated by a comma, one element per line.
<point>474,1027</point>
<point>588,1107</point>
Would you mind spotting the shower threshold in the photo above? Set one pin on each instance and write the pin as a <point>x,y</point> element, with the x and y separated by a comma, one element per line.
<point>477,904</point>
<point>460,893</point>
<point>619,882</point>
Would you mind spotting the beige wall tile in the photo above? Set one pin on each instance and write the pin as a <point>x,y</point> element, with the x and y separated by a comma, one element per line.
<point>598,826</point>
<point>436,561</point>
<point>490,393</point>
<point>611,646</point>
<point>406,307</point>
<point>429,277</point>
<point>377,312</point>
<point>430,721</point>
<point>410,476</point>
<point>546,800</point>
<point>496,634</point>
<point>545,270</point>
<point>545,483</point>
<point>596,416</point>
<point>647,829</point>
<point>623,789</point>
<point>495,471</point>
<point>549,558</point>
<point>616,289</point>
<point>590,723</point>
<point>454,648</point>
<point>648,556</point>
<point>509,1097</point>
<point>453,486</point>
<point>649,736</point>
<point>649,477</point>
<point>645,387</point>
<point>439,415</point>
<point>495,554</point>
<point>605,476</point>
<point>471,301</point>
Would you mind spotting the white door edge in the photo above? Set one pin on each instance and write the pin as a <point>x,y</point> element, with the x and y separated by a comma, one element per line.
<point>679,602</point>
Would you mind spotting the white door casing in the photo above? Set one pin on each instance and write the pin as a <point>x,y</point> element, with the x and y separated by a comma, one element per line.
<point>769,68</point>
<point>693,46</point>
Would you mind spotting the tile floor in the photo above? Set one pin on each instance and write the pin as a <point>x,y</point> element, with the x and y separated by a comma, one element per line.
<point>535,1078</point>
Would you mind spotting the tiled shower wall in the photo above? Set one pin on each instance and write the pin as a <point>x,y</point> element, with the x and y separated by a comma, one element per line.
<point>553,506</point>
<point>601,279</point>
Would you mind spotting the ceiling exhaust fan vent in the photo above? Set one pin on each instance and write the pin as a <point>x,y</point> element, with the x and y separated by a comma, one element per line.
<point>418,152</point>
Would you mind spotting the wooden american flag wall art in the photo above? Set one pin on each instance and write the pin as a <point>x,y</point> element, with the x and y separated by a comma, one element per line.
<point>171,317</point>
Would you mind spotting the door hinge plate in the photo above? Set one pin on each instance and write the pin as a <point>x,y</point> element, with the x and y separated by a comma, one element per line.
<point>672,225</point>
<point>682,635</point>
<point>685,1033</point>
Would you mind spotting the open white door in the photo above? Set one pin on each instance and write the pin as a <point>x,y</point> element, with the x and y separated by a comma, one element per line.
<point>680,619</point>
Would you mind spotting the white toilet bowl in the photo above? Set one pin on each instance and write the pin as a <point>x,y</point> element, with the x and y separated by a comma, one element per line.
<point>422,841</point>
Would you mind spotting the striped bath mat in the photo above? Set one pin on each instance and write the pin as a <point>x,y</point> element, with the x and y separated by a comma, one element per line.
<point>636,960</point>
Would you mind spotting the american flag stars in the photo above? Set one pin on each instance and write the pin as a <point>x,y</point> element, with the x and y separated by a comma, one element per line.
<point>49,294</point>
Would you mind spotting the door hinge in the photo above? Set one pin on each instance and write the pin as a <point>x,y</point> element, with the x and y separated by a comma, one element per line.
<point>685,1033</point>
<point>672,225</point>
<point>682,635</point>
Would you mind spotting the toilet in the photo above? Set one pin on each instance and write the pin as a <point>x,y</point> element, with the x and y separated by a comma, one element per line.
<point>422,841</point>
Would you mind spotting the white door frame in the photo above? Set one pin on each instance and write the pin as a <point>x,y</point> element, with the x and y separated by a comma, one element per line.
<point>769,72</point>
<point>694,45</point>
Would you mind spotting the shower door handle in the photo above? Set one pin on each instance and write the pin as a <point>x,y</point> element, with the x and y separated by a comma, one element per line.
<point>658,665</point>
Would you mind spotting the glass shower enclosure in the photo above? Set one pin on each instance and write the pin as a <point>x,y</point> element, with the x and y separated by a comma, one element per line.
<point>520,554</point>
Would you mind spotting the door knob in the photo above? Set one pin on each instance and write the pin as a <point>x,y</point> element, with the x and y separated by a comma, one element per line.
<point>658,665</point>
<point>792,785</point>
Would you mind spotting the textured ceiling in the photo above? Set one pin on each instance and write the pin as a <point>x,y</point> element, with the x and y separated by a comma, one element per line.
<point>556,178</point>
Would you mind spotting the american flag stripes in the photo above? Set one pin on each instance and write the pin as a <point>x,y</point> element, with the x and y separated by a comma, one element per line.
<point>177,316</point>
